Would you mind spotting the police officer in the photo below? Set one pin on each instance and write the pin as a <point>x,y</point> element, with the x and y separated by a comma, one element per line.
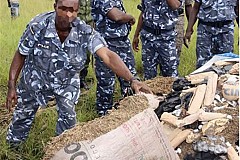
<point>215,32</point>
<point>114,24</point>
<point>84,14</point>
<point>14,8</point>
<point>156,25</point>
<point>50,54</point>
<point>180,24</point>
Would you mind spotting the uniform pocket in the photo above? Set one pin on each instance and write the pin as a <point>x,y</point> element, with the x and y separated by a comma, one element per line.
<point>78,56</point>
<point>42,55</point>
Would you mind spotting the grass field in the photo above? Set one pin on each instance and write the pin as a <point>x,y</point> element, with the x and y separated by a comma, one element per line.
<point>44,125</point>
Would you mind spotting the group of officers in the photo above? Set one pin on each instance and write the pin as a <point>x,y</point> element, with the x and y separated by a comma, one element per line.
<point>161,30</point>
<point>56,47</point>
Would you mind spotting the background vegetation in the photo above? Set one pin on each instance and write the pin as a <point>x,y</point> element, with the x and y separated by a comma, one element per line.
<point>44,125</point>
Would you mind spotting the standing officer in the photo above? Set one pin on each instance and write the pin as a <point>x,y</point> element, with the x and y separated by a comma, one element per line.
<point>157,25</point>
<point>84,13</point>
<point>114,24</point>
<point>14,8</point>
<point>180,24</point>
<point>215,32</point>
<point>50,54</point>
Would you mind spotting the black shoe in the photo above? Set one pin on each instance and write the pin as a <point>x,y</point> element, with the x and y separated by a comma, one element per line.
<point>84,85</point>
<point>102,113</point>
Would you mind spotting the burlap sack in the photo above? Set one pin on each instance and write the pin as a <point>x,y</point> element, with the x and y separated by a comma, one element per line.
<point>141,137</point>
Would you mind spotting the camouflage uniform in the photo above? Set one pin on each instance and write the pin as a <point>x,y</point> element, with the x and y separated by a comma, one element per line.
<point>180,28</point>
<point>158,39</point>
<point>84,14</point>
<point>51,69</point>
<point>116,36</point>
<point>215,29</point>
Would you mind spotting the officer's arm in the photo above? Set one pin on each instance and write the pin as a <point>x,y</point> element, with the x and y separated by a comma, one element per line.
<point>192,21</point>
<point>114,62</point>
<point>119,16</point>
<point>135,42</point>
<point>193,17</point>
<point>139,25</point>
<point>188,9</point>
<point>16,67</point>
<point>174,4</point>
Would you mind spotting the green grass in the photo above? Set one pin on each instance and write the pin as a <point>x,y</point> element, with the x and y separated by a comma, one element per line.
<point>45,122</point>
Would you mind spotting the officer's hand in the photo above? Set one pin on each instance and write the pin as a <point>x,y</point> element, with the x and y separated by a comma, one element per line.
<point>132,20</point>
<point>138,87</point>
<point>135,43</point>
<point>11,100</point>
<point>187,38</point>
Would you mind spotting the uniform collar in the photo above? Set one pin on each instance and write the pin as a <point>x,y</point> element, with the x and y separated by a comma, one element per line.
<point>51,30</point>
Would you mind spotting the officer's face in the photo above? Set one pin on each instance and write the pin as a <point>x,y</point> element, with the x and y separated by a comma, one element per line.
<point>66,12</point>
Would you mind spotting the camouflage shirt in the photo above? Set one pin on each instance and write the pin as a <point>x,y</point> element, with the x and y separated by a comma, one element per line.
<point>107,27</point>
<point>157,14</point>
<point>50,64</point>
<point>216,10</point>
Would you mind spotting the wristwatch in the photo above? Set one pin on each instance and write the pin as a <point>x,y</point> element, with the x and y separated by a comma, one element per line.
<point>134,78</point>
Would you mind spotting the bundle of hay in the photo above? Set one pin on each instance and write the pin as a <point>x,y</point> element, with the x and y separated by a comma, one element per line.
<point>160,85</point>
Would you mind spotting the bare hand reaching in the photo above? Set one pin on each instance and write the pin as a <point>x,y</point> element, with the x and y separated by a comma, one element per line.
<point>132,21</point>
<point>138,87</point>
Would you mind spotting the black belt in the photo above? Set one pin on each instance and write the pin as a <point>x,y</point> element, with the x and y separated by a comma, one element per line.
<point>218,24</point>
<point>151,30</point>
<point>124,38</point>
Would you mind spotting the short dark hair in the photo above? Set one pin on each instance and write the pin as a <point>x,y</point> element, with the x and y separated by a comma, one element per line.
<point>57,1</point>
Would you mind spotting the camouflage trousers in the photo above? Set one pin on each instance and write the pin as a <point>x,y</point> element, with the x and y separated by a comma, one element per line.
<point>28,105</point>
<point>180,33</point>
<point>213,40</point>
<point>106,77</point>
<point>159,50</point>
